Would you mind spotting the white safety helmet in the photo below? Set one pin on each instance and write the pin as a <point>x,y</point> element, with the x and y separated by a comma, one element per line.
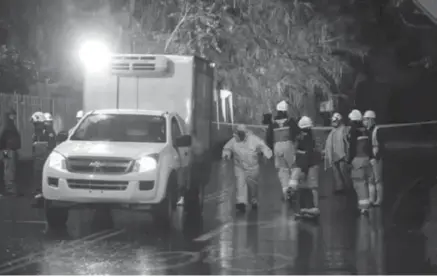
<point>355,115</point>
<point>336,117</point>
<point>282,106</point>
<point>79,114</point>
<point>37,117</point>
<point>48,117</point>
<point>369,114</point>
<point>305,122</point>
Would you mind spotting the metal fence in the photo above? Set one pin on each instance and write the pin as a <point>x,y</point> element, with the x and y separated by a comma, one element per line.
<point>63,111</point>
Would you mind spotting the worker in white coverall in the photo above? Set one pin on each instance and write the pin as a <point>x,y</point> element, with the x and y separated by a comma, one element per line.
<point>359,155</point>
<point>284,131</point>
<point>375,186</point>
<point>336,147</point>
<point>244,147</point>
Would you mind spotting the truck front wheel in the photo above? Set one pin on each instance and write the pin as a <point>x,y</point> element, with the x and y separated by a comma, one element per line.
<point>165,210</point>
<point>56,217</point>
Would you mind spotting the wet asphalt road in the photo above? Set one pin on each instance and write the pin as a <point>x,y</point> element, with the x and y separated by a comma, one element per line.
<point>267,241</point>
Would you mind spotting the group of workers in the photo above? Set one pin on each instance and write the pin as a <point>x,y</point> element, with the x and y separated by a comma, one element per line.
<point>43,142</point>
<point>351,151</point>
<point>354,154</point>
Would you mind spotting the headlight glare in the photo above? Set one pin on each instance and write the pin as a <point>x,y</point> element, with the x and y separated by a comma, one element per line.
<point>56,161</point>
<point>145,164</point>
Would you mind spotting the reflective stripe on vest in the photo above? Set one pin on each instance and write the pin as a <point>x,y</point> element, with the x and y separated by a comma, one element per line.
<point>281,134</point>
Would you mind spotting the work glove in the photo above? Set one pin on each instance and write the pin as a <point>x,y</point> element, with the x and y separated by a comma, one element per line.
<point>226,156</point>
<point>292,184</point>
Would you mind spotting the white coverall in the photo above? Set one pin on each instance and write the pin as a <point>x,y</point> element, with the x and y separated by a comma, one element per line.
<point>246,164</point>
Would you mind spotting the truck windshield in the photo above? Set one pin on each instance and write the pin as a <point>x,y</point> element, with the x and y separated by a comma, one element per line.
<point>122,128</point>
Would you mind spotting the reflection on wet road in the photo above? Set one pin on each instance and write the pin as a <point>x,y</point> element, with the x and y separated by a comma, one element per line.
<point>267,241</point>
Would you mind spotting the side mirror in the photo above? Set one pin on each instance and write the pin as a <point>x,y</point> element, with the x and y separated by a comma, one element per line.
<point>183,141</point>
<point>62,136</point>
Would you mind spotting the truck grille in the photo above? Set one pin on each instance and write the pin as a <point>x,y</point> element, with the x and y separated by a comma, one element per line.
<point>97,184</point>
<point>99,165</point>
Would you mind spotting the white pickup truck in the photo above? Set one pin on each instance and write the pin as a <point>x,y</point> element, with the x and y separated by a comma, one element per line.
<point>133,156</point>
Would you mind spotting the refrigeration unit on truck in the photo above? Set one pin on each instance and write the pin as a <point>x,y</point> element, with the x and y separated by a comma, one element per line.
<point>144,141</point>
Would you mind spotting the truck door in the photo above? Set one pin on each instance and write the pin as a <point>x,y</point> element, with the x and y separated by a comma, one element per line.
<point>183,152</point>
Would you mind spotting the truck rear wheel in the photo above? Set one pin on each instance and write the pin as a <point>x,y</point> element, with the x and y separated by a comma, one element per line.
<point>163,215</point>
<point>56,217</point>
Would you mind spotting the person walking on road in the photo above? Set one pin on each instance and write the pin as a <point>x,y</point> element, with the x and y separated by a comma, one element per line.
<point>244,147</point>
<point>359,155</point>
<point>336,153</point>
<point>306,176</point>
<point>284,131</point>
<point>10,143</point>
<point>375,186</point>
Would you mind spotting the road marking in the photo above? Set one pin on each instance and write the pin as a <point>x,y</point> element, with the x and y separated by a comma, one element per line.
<point>217,231</point>
<point>217,195</point>
<point>25,221</point>
<point>213,233</point>
<point>28,259</point>
<point>286,261</point>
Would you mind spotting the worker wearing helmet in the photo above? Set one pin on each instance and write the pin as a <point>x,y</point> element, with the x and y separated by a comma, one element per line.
<point>244,147</point>
<point>336,147</point>
<point>306,176</point>
<point>283,132</point>
<point>10,143</point>
<point>49,131</point>
<point>375,187</point>
<point>359,155</point>
<point>79,116</point>
<point>44,141</point>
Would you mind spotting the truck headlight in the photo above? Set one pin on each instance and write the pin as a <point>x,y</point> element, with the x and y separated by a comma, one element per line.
<point>147,163</point>
<point>56,161</point>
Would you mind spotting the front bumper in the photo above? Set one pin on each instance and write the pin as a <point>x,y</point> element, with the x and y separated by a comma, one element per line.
<point>63,186</point>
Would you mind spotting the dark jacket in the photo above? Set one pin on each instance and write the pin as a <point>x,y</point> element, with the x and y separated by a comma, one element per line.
<point>374,138</point>
<point>293,131</point>
<point>9,136</point>
<point>306,152</point>
<point>359,143</point>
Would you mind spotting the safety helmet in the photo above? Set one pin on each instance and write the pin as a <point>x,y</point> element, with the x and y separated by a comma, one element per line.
<point>336,117</point>
<point>282,106</point>
<point>79,114</point>
<point>48,117</point>
<point>305,122</point>
<point>241,128</point>
<point>355,115</point>
<point>369,114</point>
<point>37,117</point>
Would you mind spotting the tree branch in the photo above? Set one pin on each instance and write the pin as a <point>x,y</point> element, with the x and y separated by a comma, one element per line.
<point>176,29</point>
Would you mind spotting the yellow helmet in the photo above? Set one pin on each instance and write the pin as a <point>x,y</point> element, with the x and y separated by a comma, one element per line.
<point>355,115</point>
<point>48,117</point>
<point>369,114</point>
<point>305,122</point>
<point>37,117</point>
